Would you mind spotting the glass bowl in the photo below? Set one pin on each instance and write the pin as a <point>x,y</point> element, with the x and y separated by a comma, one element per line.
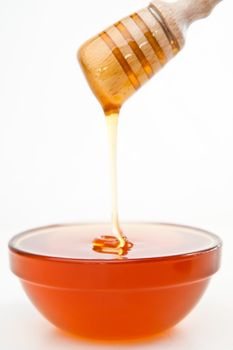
<point>111,297</point>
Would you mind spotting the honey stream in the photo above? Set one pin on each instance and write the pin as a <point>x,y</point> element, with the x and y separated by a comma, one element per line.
<point>117,243</point>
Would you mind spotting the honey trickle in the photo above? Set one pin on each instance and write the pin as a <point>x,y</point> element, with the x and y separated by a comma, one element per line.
<point>118,243</point>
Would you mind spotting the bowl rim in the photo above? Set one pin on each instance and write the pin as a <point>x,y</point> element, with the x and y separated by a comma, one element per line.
<point>14,239</point>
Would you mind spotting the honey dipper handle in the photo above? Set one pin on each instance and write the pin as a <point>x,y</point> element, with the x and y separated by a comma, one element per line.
<point>196,9</point>
<point>185,11</point>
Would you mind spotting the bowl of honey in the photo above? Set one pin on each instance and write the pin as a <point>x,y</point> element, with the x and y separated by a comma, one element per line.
<point>144,291</point>
<point>134,280</point>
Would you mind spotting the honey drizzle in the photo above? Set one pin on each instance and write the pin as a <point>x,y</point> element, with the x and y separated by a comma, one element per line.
<point>117,244</point>
<point>112,128</point>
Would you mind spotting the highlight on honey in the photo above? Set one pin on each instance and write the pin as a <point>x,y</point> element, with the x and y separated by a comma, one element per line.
<point>111,245</point>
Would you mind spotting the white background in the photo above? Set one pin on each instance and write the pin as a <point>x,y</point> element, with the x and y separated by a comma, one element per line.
<point>175,152</point>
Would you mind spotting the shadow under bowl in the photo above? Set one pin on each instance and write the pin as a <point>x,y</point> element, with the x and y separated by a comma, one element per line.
<point>108,297</point>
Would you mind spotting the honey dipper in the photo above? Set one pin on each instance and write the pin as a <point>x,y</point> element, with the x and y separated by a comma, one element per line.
<point>122,58</point>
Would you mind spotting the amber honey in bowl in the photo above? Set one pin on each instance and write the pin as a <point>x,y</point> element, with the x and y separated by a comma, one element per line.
<point>113,297</point>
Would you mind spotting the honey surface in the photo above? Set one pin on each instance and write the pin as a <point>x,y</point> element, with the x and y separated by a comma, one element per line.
<point>150,241</point>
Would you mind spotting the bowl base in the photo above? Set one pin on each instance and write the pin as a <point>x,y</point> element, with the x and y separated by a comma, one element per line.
<point>116,315</point>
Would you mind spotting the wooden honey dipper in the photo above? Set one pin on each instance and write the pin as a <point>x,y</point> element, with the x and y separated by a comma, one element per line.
<point>122,58</point>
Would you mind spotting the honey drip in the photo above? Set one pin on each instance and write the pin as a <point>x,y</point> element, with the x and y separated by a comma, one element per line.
<point>118,243</point>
